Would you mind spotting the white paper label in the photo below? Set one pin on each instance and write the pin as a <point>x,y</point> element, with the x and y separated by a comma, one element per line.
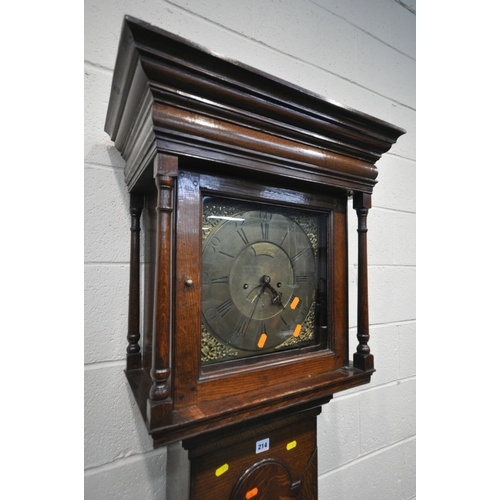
<point>262,445</point>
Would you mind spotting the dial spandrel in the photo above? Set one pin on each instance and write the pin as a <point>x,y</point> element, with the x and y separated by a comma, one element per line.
<point>259,278</point>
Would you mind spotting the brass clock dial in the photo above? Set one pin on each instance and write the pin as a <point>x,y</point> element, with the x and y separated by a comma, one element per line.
<point>260,278</point>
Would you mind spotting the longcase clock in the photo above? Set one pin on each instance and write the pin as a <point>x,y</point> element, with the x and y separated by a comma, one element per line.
<point>238,311</point>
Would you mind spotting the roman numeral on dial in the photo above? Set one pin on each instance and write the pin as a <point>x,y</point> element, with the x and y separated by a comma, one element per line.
<point>242,325</point>
<point>243,236</point>
<point>225,307</point>
<point>299,255</point>
<point>265,230</point>
<point>221,280</point>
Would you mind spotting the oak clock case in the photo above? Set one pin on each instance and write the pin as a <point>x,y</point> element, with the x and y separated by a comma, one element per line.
<point>254,283</point>
<point>262,270</point>
<point>238,181</point>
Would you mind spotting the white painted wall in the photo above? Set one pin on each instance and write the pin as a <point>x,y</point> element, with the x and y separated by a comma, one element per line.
<point>360,53</point>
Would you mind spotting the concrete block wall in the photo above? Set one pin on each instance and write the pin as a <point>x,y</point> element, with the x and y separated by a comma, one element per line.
<point>360,53</point>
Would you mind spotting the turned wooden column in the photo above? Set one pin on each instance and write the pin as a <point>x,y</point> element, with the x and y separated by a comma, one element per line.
<point>133,336</point>
<point>362,358</point>
<point>160,402</point>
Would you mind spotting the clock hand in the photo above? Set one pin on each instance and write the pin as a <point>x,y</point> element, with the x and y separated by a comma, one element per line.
<point>256,300</point>
<point>242,326</point>
<point>254,292</point>
<point>275,296</point>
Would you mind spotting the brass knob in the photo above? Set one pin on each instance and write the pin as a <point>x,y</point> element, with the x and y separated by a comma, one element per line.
<point>189,282</point>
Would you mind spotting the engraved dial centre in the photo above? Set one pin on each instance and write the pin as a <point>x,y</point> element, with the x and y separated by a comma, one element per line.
<point>256,266</point>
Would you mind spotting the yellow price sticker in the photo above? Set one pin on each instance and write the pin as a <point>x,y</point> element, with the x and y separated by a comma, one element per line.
<point>221,470</point>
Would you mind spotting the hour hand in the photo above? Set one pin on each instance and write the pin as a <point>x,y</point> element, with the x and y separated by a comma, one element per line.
<point>262,287</point>
<point>275,296</point>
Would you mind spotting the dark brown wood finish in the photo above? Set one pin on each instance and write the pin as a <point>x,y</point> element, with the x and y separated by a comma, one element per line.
<point>134,359</point>
<point>171,94</point>
<point>227,465</point>
<point>190,123</point>
<point>160,403</point>
<point>362,358</point>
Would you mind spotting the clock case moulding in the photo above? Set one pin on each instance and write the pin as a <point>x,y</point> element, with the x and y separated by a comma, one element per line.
<point>185,119</point>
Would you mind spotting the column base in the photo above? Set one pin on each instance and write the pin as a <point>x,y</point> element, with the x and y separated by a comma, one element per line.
<point>363,361</point>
